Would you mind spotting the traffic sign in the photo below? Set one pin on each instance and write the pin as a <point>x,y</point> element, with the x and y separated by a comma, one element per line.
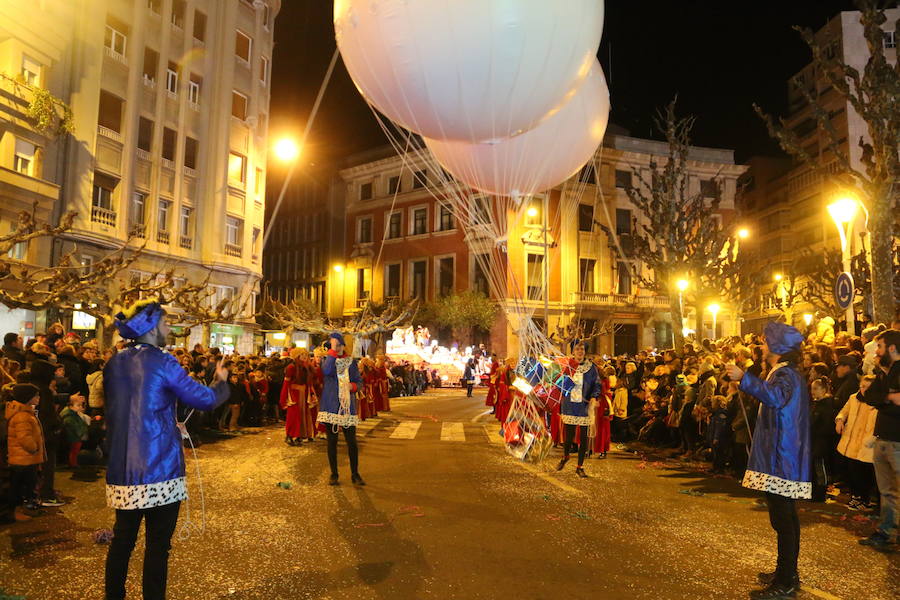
<point>844,290</point>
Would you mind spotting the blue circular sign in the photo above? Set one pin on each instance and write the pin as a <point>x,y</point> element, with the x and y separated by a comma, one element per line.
<point>844,290</point>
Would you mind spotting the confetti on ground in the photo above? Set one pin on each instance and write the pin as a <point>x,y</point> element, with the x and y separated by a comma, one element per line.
<point>285,485</point>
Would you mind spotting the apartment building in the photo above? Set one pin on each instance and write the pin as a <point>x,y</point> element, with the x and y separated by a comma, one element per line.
<point>402,243</point>
<point>787,202</point>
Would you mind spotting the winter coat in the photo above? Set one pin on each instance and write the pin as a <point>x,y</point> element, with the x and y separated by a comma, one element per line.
<point>13,353</point>
<point>719,427</point>
<point>821,426</point>
<point>74,426</point>
<point>859,430</point>
<point>48,410</point>
<point>95,386</point>
<point>342,376</point>
<point>844,388</point>
<point>146,462</point>
<point>780,458</point>
<point>25,441</point>
<point>587,386</point>
<point>825,330</point>
<point>74,374</point>
<point>741,414</point>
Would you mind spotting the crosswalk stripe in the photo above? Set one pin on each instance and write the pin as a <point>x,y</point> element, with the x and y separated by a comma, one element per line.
<point>492,432</point>
<point>406,430</point>
<point>368,424</point>
<point>453,432</point>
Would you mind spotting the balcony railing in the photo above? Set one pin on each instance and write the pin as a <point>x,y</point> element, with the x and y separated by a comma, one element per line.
<point>115,55</point>
<point>189,171</point>
<point>142,154</point>
<point>186,242</point>
<point>109,133</point>
<point>169,164</point>
<point>104,216</point>
<point>194,106</point>
<point>603,299</point>
<point>233,250</point>
<point>138,230</point>
<point>162,237</point>
<point>149,81</point>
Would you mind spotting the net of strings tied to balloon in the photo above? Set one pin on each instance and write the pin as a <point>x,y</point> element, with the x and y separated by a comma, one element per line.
<point>490,104</point>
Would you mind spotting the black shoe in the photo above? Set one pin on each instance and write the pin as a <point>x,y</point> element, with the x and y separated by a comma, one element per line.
<point>580,472</point>
<point>357,480</point>
<point>601,455</point>
<point>288,440</point>
<point>333,480</point>
<point>562,463</point>
<point>768,578</point>
<point>877,540</point>
<point>776,591</point>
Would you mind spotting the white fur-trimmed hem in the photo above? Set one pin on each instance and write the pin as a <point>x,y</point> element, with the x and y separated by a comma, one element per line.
<point>573,420</point>
<point>764,482</point>
<point>342,420</point>
<point>147,495</point>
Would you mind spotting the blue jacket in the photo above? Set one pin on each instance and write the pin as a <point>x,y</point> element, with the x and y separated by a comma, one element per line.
<point>141,384</point>
<point>576,403</point>
<point>780,456</point>
<point>330,403</point>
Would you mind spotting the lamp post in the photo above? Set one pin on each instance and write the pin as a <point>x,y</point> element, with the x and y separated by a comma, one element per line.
<point>843,212</point>
<point>287,151</point>
<point>339,274</point>
<point>681,284</point>
<point>714,309</point>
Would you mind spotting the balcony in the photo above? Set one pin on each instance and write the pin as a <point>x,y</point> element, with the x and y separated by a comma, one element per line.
<point>104,216</point>
<point>149,82</point>
<point>621,300</point>
<point>115,55</point>
<point>189,171</point>
<point>233,250</point>
<point>142,154</point>
<point>186,242</point>
<point>109,133</point>
<point>162,237</point>
<point>172,95</point>
<point>169,164</point>
<point>195,106</point>
<point>137,230</point>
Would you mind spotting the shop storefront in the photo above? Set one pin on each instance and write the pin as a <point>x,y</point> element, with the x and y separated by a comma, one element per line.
<point>17,320</point>
<point>226,338</point>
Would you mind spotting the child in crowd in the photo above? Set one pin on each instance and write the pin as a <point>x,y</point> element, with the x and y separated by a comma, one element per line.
<point>720,434</point>
<point>75,425</point>
<point>821,418</point>
<point>856,426</point>
<point>25,443</point>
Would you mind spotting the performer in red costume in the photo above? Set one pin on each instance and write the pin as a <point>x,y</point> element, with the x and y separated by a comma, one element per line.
<point>492,384</point>
<point>382,401</point>
<point>603,416</point>
<point>297,424</point>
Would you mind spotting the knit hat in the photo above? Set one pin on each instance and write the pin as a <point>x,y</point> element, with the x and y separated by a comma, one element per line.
<point>24,392</point>
<point>782,338</point>
<point>139,318</point>
<point>337,336</point>
<point>848,360</point>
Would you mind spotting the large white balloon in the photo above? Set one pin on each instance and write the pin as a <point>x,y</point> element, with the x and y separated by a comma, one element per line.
<point>538,159</point>
<point>471,70</point>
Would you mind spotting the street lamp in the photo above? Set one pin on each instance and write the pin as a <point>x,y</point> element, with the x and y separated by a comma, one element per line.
<point>287,151</point>
<point>807,318</point>
<point>681,284</point>
<point>714,309</point>
<point>778,277</point>
<point>743,233</point>
<point>531,212</point>
<point>338,268</point>
<point>843,212</point>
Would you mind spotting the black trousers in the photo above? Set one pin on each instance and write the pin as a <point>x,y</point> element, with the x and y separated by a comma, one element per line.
<point>570,438</point>
<point>784,520</point>
<point>469,387</point>
<point>352,448</point>
<point>160,524</point>
<point>862,479</point>
<point>23,479</point>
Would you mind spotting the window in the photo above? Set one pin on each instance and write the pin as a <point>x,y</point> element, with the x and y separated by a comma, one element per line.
<point>266,16</point>
<point>264,70</point>
<point>194,88</point>
<point>258,182</point>
<point>151,65</point>
<point>623,179</point>
<point>535,277</point>
<point>419,221</point>
<point>445,219</point>
<point>364,230</point>
<point>623,221</point>
<point>624,278</point>
<point>190,152</point>
<point>254,241</point>
<point>445,276</point>
<point>145,134</point>
<point>103,191</point>
<point>31,71</point>
<point>419,272</point>
<point>172,79</point>
<point>394,185</point>
<point>238,105</point>
<point>392,280</point>
<point>243,44</point>
<point>365,191</point>
<point>585,217</point>
<point>420,178</point>
<point>890,39</point>
<point>138,208</point>
<point>179,8</point>
<point>185,220</point>
<point>480,213</point>
<point>155,6</point>
<point>588,174</point>
<point>709,188</point>
<point>199,26</point>
<point>586,275</point>
<point>110,111</point>
<point>115,39</point>
<point>234,231</point>
<point>237,168</point>
<point>162,215</point>
<point>17,251</point>
<point>23,160</point>
<point>362,291</point>
<point>394,225</point>
<point>479,277</point>
<point>168,145</point>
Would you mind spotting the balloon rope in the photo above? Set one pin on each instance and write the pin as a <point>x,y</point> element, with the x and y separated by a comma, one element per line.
<point>188,526</point>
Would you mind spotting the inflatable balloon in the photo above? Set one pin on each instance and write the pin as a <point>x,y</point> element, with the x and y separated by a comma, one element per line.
<point>538,159</point>
<point>473,70</point>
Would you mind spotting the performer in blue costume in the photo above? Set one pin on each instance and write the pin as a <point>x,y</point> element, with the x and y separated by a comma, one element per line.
<point>585,386</point>
<point>780,458</point>
<point>145,476</point>
<point>337,407</point>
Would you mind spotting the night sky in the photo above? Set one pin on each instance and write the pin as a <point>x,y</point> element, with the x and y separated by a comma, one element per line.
<point>718,57</point>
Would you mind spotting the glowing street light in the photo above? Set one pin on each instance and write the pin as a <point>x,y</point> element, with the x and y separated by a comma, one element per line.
<point>338,268</point>
<point>286,150</point>
<point>743,233</point>
<point>682,284</point>
<point>843,212</point>
<point>778,277</point>
<point>807,318</point>
<point>714,309</point>
<point>532,212</point>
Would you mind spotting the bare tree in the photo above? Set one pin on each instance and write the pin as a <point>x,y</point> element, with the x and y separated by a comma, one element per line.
<point>575,331</point>
<point>874,94</point>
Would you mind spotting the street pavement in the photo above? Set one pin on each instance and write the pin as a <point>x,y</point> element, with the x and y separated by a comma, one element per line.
<point>446,514</point>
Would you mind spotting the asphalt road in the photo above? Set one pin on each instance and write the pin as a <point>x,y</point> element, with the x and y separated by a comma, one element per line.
<point>446,514</point>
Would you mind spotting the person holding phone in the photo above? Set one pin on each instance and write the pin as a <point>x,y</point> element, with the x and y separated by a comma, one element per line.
<point>338,408</point>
